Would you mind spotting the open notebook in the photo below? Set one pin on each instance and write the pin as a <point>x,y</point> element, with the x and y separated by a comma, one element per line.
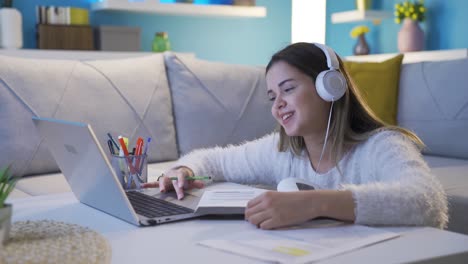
<point>226,201</point>
<point>234,201</point>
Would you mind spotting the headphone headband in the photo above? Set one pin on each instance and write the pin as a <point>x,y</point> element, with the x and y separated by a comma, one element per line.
<point>332,60</point>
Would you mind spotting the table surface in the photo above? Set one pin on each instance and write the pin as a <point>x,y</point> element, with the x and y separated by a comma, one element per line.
<point>177,242</point>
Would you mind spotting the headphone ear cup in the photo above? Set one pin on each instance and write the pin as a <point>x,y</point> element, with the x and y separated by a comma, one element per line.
<point>331,85</point>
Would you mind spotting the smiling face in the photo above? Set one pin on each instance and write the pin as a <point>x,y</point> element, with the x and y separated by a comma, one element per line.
<point>296,104</point>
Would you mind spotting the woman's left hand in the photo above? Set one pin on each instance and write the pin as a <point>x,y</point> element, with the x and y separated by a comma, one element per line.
<point>278,209</point>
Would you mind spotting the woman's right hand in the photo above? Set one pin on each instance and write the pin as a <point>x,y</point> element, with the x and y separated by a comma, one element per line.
<point>179,184</point>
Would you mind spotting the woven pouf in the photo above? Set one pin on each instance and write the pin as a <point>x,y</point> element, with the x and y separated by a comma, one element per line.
<point>47,241</point>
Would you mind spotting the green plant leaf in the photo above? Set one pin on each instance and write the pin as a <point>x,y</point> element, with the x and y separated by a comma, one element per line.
<point>7,184</point>
<point>414,10</point>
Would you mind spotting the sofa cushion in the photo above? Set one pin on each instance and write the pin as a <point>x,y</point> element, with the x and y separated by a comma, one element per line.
<point>454,179</point>
<point>433,102</point>
<point>442,162</point>
<point>44,184</point>
<point>56,182</point>
<point>126,96</point>
<point>453,175</point>
<point>378,84</point>
<point>16,194</point>
<point>217,103</point>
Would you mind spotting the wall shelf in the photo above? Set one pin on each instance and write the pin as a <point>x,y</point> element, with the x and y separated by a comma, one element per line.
<point>415,56</point>
<point>180,8</point>
<point>360,15</point>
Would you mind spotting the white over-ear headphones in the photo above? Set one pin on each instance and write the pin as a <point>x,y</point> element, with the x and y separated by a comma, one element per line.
<point>330,84</point>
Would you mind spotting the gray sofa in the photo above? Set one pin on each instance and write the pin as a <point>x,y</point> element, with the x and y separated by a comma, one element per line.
<point>133,94</point>
<point>185,103</point>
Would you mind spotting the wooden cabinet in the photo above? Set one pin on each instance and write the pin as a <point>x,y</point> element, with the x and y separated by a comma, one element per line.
<point>76,37</point>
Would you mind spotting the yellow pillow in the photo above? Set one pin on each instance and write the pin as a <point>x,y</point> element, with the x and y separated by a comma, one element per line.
<point>378,83</point>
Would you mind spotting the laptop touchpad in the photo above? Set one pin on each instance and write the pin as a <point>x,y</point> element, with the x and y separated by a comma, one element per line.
<point>189,201</point>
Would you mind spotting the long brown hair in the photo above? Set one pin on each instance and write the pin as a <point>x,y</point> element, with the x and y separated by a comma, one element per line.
<point>352,120</point>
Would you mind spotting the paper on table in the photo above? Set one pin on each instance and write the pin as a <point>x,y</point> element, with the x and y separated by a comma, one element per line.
<point>226,201</point>
<point>300,245</point>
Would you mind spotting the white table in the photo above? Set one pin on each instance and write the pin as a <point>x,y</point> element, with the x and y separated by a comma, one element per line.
<point>176,242</point>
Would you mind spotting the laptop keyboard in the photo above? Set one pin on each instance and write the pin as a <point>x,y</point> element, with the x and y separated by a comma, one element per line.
<point>152,207</point>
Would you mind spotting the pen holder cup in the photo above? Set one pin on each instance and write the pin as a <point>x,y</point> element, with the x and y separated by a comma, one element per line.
<point>131,170</point>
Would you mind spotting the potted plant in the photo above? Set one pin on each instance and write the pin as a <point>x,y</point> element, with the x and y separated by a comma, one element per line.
<point>410,36</point>
<point>7,183</point>
<point>361,47</point>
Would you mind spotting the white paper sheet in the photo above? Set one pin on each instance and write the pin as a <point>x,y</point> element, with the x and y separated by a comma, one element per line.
<point>310,242</point>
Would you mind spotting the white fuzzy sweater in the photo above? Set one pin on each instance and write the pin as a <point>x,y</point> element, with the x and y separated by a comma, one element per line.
<point>390,182</point>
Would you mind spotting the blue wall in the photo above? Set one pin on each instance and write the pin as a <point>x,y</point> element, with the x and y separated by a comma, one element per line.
<point>444,27</point>
<point>232,40</point>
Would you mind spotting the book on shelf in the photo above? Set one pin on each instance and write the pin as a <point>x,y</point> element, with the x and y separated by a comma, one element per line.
<point>62,15</point>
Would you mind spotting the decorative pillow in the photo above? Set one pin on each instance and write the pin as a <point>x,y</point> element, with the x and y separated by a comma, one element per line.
<point>126,96</point>
<point>378,83</point>
<point>217,103</point>
<point>433,102</point>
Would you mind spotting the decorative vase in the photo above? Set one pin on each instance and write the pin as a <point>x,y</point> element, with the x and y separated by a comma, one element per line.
<point>5,223</point>
<point>363,5</point>
<point>361,47</point>
<point>11,28</point>
<point>410,36</point>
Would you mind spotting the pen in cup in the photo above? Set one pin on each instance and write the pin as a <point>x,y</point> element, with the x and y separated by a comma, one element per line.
<point>147,145</point>
<point>113,141</point>
<point>137,152</point>
<point>111,147</point>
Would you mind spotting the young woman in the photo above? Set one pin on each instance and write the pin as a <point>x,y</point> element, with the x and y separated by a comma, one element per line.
<point>365,171</point>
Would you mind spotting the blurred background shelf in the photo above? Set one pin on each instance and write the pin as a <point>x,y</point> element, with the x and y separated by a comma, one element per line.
<point>359,15</point>
<point>180,9</point>
<point>68,37</point>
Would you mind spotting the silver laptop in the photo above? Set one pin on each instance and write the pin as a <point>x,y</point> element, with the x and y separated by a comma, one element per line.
<point>94,182</point>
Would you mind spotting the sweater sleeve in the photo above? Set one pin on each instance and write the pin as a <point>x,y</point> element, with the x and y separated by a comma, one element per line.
<point>399,188</point>
<point>248,163</point>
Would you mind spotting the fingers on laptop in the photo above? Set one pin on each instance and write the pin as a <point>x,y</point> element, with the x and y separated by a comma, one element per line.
<point>165,184</point>
<point>179,191</point>
<point>179,184</point>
